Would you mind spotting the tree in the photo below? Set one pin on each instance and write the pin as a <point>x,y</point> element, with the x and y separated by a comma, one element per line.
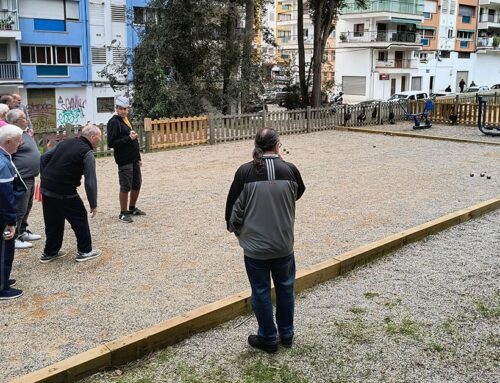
<point>324,14</point>
<point>302,56</point>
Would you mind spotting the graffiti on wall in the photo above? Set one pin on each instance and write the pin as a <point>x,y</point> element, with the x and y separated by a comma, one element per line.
<point>71,110</point>
<point>42,116</point>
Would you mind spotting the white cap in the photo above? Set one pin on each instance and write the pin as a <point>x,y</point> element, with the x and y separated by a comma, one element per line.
<point>122,101</point>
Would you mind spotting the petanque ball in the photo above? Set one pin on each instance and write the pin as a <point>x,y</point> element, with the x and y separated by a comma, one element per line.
<point>472,174</point>
<point>488,177</point>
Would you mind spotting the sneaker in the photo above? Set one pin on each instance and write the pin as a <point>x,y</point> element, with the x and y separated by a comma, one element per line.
<point>255,342</point>
<point>286,342</point>
<point>82,257</point>
<point>29,236</point>
<point>10,294</point>
<point>21,244</point>
<point>125,218</point>
<point>136,211</point>
<point>49,258</point>
<point>12,282</point>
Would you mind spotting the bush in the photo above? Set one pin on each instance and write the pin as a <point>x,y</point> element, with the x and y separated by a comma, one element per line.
<point>496,41</point>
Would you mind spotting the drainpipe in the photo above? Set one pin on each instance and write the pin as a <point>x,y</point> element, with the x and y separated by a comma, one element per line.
<point>85,40</point>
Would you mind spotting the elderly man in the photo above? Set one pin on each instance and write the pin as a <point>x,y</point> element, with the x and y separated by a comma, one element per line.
<point>27,161</point>
<point>61,172</point>
<point>124,141</point>
<point>260,210</point>
<point>11,187</point>
<point>19,105</point>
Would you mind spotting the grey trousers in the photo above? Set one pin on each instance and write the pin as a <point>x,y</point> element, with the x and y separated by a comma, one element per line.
<point>24,205</point>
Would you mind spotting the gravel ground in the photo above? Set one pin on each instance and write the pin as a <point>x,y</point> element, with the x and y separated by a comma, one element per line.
<point>430,312</point>
<point>440,130</point>
<point>360,188</point>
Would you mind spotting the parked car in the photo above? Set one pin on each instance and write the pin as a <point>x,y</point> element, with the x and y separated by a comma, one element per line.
<point>496,86</point>
<point>409,95</point>
<point>475,89</point>
<point>368,102</point>
<point>441,93</point>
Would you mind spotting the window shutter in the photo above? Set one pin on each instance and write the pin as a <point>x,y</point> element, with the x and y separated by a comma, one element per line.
<point>118,13</point>
<point>98,55</point>
<point>354,85</point>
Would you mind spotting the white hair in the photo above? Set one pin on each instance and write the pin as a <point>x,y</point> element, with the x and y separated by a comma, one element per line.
<point>90,130</point>
<point>9,132</point>
<point>3,109</point>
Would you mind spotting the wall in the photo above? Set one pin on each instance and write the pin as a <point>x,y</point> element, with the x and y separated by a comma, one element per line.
<point>72,106</point>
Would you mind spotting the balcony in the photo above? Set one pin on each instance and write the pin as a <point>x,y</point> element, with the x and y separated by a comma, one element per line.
<point>487,43</point>
<point>378,38</point>
<point>415,7</point>
<point>397,64</point>
<point>9,24</point>
<point>9,71</point>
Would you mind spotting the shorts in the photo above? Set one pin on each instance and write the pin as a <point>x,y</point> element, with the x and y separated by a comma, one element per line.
<point>130,177</point>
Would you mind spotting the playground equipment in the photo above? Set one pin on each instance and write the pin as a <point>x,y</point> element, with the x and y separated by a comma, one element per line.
<point>488,130</point>
<point>419,117</point>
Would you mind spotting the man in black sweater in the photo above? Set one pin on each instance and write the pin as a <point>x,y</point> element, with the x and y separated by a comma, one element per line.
<point>61,171</point>
<point>123,139</point>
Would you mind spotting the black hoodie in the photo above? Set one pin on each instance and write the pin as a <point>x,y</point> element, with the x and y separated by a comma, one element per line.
<point>126,150</point>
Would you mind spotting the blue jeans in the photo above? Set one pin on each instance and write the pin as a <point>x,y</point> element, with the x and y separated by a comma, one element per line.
<point>259,274</point>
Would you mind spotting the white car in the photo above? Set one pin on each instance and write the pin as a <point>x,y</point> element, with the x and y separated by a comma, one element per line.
<point>475,89</point>
<point>409,95</point>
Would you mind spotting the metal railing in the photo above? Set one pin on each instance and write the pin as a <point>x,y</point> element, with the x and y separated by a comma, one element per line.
<point>490,18</point>
<point>9,20</point>
<point>398,63</point>
<point>380,36</point>
<point>415,7</point>
<point>9,70</point>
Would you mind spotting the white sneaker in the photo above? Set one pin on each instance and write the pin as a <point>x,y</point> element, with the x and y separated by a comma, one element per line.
<point>21,244</point>
<point>29,236</point>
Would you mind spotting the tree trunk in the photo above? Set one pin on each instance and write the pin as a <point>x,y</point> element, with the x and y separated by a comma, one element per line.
<point>316,65</point>
<point>247,56</point>
<point>230,56</point>
<point>302,55</point>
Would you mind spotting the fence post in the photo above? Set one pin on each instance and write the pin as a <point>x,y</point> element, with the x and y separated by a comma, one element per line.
<point>455,110</point>
<point>211,129</point>
<point>264,116</point>
<point>379,115</point>
<point>495,98</point>
<point>147,131</point>
<point>308,119</point>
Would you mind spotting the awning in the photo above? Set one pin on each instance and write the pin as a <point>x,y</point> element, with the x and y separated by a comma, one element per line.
<point>405,21</point>
<point>426,27</point>
<point>465,30</point>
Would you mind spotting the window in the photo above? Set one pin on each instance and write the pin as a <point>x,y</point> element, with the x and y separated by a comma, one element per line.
<point>143,15</point>
<point>284,17</point>
<point>465,35</point>
<point>464,44</point>
<point>98,55</point>
<point>465,10</point>
<point>383,56</point>
<point>286,7</point>
<point>427,15</point>
<point>464,55</point>
<point>306,33</point>
<point>52,55</point>
<point>72,9</point>
<point>422,56</point>
<point>424,41</point>
<point>105,104</point>
<point>358,30</point>
<point>445,54</point>
<point>450,33</point>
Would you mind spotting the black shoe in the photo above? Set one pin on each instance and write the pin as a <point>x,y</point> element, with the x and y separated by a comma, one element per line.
<point>136,211</point>
<point>286,342</point>
<point>49,258</point>
<point>125,218</point>
<point>10,294</point>
<point>12,282</point>
<point>255,342</point>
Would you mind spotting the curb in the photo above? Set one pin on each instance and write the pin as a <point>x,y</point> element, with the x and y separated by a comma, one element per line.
<point>413,135</point>
<point>136,345</point>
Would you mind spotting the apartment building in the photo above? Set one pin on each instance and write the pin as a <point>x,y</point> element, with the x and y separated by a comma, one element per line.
<point>10,34</point>
<point>394,46</point>
<point>286,56</point>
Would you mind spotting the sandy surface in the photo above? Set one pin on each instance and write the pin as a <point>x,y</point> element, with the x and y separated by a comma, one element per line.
<point>360,188</point>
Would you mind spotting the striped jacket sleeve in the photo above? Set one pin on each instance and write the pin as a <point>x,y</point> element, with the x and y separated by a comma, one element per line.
<point>7,198</point>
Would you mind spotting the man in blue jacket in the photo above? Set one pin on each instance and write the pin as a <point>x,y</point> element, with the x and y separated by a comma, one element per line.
<point>11,188</point>
<point>260,210</point>
<point>126,150</point>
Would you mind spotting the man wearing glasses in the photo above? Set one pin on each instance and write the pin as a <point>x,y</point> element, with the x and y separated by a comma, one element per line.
<point>27,162</point>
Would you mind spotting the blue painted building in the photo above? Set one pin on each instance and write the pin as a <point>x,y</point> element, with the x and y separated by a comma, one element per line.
<point>52,52</point>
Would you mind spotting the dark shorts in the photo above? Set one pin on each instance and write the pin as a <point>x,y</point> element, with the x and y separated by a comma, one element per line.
<point>130,177</point>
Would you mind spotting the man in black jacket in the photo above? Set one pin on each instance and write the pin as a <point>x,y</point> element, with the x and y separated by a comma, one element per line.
<point>260,210</point>
<point>61,170</point>
<point>124,141</point>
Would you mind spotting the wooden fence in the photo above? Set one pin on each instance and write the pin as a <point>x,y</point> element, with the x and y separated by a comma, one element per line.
<point>157,134</point>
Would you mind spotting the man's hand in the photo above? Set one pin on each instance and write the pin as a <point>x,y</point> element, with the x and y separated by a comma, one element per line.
<point>93,212</point>
<point>133,135</point>
<point>11,230</point>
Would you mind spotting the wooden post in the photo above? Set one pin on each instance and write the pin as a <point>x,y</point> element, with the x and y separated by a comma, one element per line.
<point>455,110</point>
<point>379,115</point>
<point>495,98</point>
<point>211,129</point>
<point>147,130</point>
<point>308,119</point>
<point>264,116</point>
